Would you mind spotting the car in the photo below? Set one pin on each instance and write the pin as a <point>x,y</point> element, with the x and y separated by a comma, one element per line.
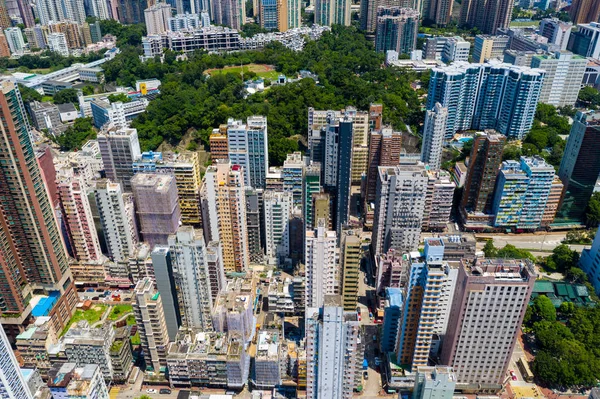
<point>370,316</point>
<point>164,391</point>
<point>366,375</point>
<point>127,299</point>
<point>513,376</point>
<point>95,298</point>
<point>358,310</point>
<point>377,361</point>
<point>150,390</point>
<point>359,317</point>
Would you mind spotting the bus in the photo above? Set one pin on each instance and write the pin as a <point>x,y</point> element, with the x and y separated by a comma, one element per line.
<point>524,369</point>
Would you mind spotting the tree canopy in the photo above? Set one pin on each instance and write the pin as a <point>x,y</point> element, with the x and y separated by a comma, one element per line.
<point>349,71</point>
<point>76,135</point>
<point>66,96</point>
<point>592,212</point>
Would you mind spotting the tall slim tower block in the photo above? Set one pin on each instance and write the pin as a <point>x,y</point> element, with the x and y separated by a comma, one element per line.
<point>224,213</point>
<point>12,383</point>
<point>248,147</point>
<point>278,213</point>
<point>399,207</point>
<point>434,132</point>
<point>150,319</point>
<point>350,257</point>
<point>33,257</point>
<point>489,304</point>
<point>332,343</point>
<point>119,148</point>
<point>488,16</point>
<point>321,265</point>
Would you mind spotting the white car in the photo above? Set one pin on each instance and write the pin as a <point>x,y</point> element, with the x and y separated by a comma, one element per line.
<point>151,391</point>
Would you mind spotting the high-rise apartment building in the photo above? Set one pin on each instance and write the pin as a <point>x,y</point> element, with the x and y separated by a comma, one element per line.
<point>438,200</point>
<point>554,200</point>
<point>219,149</point>
<point>486,96</point>
<point>489,304</point>
<point>162,263</point>
<point>399,207</point>
<point>332,12</point>
<point>289,14</point>
<point>4,48</point>
<point>156,206</point>
<point>584,11</point>
<point>484,162</point>
<point>360,143</point>
<point>579,169</point>
<point>119,149</point>
<point>396,29</point>
<point>564,73</point>
<point>487,47</point>
<point>350,256</point>
<point>321,258</point>
<point>556,31</point>
<point>12,382</point>
<point>586,40</point>
<point>277,215</point>
<point>30,243</point>
<point>487,15</point>
<point>197,285</point>
<point>292,174</point>
<point>230,13</point>
<point>150,319</point>
<point>117,217</point>
<point>385,146</point>
<point>522,191</point>
<point>224,213</point>
<point>268,15</point>
<point>183,22</point>
<point>248,147</point>
<point>79,221</point>
<point>332,342</point>
<point>434,132</point>
<point>14,37</point>
<point>311,186</point>
<point>157,18</point>
<point>186,168</point>
<point>57,42</point>
<point>255,223</point>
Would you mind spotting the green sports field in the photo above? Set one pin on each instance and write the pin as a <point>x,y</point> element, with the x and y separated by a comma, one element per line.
<point>263,71</point>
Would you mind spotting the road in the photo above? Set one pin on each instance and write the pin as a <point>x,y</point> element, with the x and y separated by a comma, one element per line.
<point>543,242</point>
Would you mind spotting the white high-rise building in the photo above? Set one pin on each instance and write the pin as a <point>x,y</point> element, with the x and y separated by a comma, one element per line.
<point>434,131</point>
<point>12,383</point>
<point>14,37</point>
<point>278,212</point>
<point>399,207</point>
<point>332,345</point>
<point>564,73</point>
<point>157,18</point>
<point>100,9</point>
<point>556,31</point>
<point>321,258</point>
<point>248,147</point>
<point>330,12</point>
<point>116,212</point>
<point>184,22</point>
<point>150,319</point>
<point>193,278</point>
<point>74,10</point>
<point>119,148</point>
<point>58,43</point>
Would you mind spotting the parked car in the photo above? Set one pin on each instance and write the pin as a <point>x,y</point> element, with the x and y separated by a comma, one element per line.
<point>165,391</point>
<point>151,390</point>
<point>366,375</point>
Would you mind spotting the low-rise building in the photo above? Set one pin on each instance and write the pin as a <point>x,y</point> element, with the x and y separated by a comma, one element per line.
<point>69,381</point>
<point>85,344</point>
<point>121,356</point>
<point>268,361</point>
<point>281,296</point>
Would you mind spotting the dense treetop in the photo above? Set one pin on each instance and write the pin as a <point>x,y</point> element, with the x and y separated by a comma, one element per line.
<point>350,73</point>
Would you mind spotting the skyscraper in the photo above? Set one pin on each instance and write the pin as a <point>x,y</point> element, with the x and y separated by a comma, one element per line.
<point>248,147</point>
<point>584,11</point>
<point>396,29</point>
<point>434,132</point>
<point>186,168</point>
<point>484,162</point>
<point>162,262</point>
<point>119,148</point>
<point>14,37</point>
<point>487,15</point>
<point>487,311</point>
<point>399,207</point>
<point>30,244</point>
<point>293,173</point>
<point>255,220</point>
<point>157,18</point>
<point>78,216</point>
<point>586,40</point>
<point>312,185</point>
<point>486,96</point>
<point>268,14</point>
<point>330,12</point>
<point>231,13</point>
<point>564,73</point>
<point>437,11</point>
<point>321,265</point>
<point>224,213</point>
<point>157,206</point>
<point>350,256</point>
<point>12,383</point>
<point>278,212</point>
<point>117,216</point>
<point>522,190</point>
<point>150,319</point>
<point>332,344</point>
<point>289,14</point>
<point>100,9</point>
<point>385,146</point>
<point>556,31</point>
<point>579,169</point>
<point>438,200</point>
<point>193,278</point>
